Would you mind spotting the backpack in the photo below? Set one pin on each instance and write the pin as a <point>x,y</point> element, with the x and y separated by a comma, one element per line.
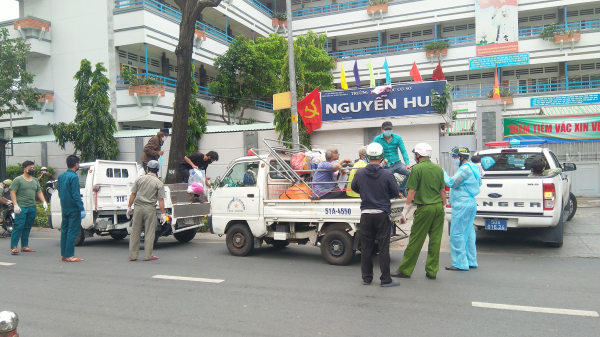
<point>249,179</point>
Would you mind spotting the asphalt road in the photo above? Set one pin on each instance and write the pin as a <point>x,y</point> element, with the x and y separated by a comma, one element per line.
<point>293,292</point>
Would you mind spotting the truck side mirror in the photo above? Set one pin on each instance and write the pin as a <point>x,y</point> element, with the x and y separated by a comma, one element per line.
<point>569,167</point>
<point>217,182</point>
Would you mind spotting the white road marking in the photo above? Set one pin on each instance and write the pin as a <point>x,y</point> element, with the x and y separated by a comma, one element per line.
<point>6,264</point>
<point>194,279</point>
<point>536,309</point>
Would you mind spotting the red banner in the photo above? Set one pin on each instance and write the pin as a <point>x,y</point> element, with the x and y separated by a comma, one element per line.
<point>310,110</point>
<point>502,48</point>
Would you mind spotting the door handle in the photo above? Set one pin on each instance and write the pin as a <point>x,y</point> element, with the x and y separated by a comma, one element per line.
<point>250,195</point>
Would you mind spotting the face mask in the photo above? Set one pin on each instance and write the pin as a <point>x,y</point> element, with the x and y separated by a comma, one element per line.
<point>31,172</point>
<point>456,162</point>
<point>5,190</point>
<point>416,159</point>
<point>387,133</point>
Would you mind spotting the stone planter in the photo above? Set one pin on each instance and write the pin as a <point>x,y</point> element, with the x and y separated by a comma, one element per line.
<point>567,38</point>
<point>279,23</point>
<point>147,90</point>
<point>200,34</point>
<point>377,8</point>
<point>31,23</point>
<point>436,52</point>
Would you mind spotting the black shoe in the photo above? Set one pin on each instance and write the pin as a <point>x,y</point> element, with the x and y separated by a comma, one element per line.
<point>470,267</point>
<point>454,268</point>
<point>399,274</point>
<point>394,283</point>
<point>430,277</point>
<point>366,283</point>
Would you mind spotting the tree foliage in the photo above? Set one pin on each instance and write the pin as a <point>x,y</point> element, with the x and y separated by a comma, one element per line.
<point>244,76</point>
<point>197,120</point>
<point>313,69</point>
<point>92,131</point>
<point>15,81</point>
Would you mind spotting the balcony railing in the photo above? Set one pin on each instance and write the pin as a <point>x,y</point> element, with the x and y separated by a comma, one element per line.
<point>174,13</point>
<point>533,88</point>
<point>171,82</point>
<point>262,7</point>
<point>575,25</point>
<point>330,8</point>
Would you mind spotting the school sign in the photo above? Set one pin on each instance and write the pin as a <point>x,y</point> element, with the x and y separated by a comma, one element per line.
<point>564,129</point>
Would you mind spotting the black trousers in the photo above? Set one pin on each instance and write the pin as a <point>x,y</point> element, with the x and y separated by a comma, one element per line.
<point>335,194</point>
<point>375,226</point>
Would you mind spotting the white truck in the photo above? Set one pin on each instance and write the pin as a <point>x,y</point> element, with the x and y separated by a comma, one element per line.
<point>510,199</point>
<point>105,190</point>
<point>250,214</point>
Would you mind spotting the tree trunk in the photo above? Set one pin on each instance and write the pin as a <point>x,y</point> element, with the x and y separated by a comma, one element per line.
<point>190,9</point>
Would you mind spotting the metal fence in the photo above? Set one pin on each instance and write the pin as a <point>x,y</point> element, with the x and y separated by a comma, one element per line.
<point>576,152</point>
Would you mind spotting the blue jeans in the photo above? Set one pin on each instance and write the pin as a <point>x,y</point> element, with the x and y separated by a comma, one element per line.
<point>400,168</point>
<point>23,224</point>
<point>70,227</point>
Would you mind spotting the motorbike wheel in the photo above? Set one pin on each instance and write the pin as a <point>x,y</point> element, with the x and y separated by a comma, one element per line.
<point>8,223</point>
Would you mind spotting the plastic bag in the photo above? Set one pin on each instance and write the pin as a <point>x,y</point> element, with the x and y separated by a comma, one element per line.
<point>197,179</point>
<point>296,161</point>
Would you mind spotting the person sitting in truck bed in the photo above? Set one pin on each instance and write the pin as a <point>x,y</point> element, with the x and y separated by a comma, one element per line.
<point>538,168</point>
<point>328,190</point>
<point>361,162</point>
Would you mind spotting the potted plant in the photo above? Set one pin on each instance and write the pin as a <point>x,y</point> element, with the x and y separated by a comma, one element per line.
<point>505,96</point>
<point>567,35</point>
<point>376,6</point>
<point>142,85</point>
<point>436,48</point>
<point>279,19</point>
<point>199,32</point>
<point>548,32</point>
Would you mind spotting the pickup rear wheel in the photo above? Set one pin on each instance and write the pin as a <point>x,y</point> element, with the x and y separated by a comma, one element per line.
<point>240,241</point>
<point>143,238</point>
<point>118,235</point>
<point>185,236</point>
<point>80,237</point>
<point>336,247</point>
<point>280,244</point>
<point>572,207</point>
<point>553,236</point>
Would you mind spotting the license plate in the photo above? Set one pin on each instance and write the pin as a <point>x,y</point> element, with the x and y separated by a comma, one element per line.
<point>495,225</point>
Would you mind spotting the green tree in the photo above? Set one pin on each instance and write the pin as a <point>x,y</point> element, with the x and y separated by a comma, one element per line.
<point>190,10</point>
<point>313,69</point>
<point>14,79</point>
<point>245,75</point>
<point>92,132</point>
<point>197,121</point>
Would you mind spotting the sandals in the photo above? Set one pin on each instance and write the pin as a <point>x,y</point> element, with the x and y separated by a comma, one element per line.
<point>73,259</point>
<point>130,259</point>
<point>27,250</point>
<point>153,258</point>
<point>14,251</point>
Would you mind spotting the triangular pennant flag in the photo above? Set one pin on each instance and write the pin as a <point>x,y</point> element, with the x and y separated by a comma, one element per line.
<point>371,76</point>
<point>343,78</point>
<point>496,95</point>
<point>438,74</point>
<point>415,74</point>
<point>388,78</point>
<point>356,77</point>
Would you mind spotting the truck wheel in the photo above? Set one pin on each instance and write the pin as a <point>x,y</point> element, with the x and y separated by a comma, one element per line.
<point>120,235</point>
<point>185,236</point>
<point>336,247</point>
<point>143,238</point>
<point>572,206</point>
<point>240,240</point>
<point>449,226</point>
<point>80,237</point>
<point>553,236</point>
<point>280,244</point>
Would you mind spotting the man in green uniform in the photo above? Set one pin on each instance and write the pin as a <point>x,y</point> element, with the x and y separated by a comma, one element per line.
<point>427,189</point>
<point>146,191</point>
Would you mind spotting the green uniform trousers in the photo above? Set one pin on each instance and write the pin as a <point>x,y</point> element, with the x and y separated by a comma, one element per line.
<point>428,219</point>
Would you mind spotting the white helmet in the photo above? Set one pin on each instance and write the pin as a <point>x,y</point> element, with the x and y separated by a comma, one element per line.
<point>423,149</point>
<point>374,151</point>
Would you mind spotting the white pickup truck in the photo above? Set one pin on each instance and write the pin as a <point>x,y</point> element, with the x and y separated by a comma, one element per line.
<point>250,214</point>
<point>510,199</point>
<point>105,190</point>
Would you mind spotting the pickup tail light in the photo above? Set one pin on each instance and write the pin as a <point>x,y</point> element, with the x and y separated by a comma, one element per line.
<point>549,196</point>
<point>448,197</point>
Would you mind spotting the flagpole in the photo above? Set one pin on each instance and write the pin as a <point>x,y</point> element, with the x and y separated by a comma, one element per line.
<point>294,99</point>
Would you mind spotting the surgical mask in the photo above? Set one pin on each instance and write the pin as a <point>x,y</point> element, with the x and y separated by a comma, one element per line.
<point>456,162</point>
<point>31,172</point>
<point>387,133</point>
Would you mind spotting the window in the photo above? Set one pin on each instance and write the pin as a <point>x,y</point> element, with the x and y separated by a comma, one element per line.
<point>512,161</point>
<point>273,174</point>
<point>241,175</point>
<point>117,173</point>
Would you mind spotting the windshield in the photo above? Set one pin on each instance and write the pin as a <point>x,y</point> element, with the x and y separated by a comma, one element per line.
<point>510,161</point>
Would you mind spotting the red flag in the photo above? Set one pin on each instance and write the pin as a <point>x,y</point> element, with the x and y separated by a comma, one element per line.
<point>438,74</point>
<point>485,3</point>
<point>310,110</point>
<point>415,74</point>
<point>496,94</point>
<point>496,3</point>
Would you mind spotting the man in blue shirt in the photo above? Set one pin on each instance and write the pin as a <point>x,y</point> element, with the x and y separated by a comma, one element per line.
<point>329,190</point>
<point>391,143</point>
<point>72,209</point>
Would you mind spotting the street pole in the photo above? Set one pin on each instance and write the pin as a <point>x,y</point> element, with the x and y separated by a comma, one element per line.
<point>295,136</point>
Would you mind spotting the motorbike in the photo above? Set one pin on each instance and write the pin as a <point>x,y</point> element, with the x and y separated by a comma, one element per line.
<point>7,216</point>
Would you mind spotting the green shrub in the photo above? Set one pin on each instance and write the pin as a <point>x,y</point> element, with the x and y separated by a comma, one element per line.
<point>130,75</point>
<point>280,16</point>
<point>503,93</point>
<point>436,45</point>
<point>41,219</point>
<point>377,2</point>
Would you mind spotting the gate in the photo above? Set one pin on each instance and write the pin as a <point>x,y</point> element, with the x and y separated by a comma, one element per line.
<point>586,179</point>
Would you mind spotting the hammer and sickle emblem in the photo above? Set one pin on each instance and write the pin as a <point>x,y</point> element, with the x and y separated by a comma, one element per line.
<point>313,110</point>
